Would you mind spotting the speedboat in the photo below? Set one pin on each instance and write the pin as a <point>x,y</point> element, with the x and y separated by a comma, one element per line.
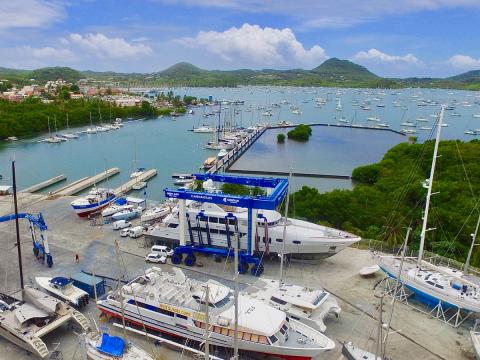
<point>102,346</point>
<point>95,201</point>
<point>204,129</point>
<point>137,173</point>
<point>169,302</point>
<point>63,289</point>
<point>127,214</point>
<point>24,322</point>
<point>115,208</point>
<point>155,213</point>
<point>309,306</point>
<point>222,153</point>
<point>209,163</point>
<point>303,239</point>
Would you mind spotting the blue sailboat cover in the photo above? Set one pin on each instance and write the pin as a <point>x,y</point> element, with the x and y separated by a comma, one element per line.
<point>112,345</point>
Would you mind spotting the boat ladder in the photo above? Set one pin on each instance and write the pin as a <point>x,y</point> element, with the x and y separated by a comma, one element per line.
<point>81,320</point>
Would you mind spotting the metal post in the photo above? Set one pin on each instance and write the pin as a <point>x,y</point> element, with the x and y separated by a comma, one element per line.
<point>429,191</point>
<point>207,323</point>
<point>474,237</point>
<point>249,231</point>
<point>181,220</point>
<point>284,231</point>
<point>235,296</point>
<point>17,228</point>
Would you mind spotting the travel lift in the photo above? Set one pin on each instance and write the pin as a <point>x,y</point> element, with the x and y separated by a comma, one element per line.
<point>40,246</point>
<point>279,188</point>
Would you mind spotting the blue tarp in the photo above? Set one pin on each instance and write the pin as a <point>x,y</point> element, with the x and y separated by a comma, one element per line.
<point>112,345</point>
<point>121,201</point>
<point>60,281</point>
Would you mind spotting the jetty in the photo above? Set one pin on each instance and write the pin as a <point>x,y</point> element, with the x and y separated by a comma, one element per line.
<point>44,184</point>
<point>348,126</point>
<point>85,183</point>
<point>283,173</point>
<point>225,162</point>
<point>128,186</point>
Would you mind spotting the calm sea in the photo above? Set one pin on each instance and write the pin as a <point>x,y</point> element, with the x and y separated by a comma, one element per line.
<point>166,145</point>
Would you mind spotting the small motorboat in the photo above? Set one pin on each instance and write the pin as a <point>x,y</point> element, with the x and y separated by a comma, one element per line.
<point>115,208</point>
<point>137,173</point>
<point>155,213</point>
<point>127,214</point>
<point>102,346</point>
<point>62,288</point>
<point>222,153</point>
<point>139,185</point>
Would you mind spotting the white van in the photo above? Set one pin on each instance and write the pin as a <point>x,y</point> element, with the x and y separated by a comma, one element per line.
<point>162,250</point>
<point>136,231</point>
<point>121,224</point>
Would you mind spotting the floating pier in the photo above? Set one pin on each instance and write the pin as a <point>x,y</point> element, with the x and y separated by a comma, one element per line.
<point>341,126</point>
<point>225,162</point>
<point>44,184</point>
<point>282,173</point>
<point>128,186</point>
<point>85,183</point>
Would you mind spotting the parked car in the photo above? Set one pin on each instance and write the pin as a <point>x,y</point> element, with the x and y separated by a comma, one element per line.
<point>155,258</point>
<point>162,250</point>
<point>124,232</point>
<point>136,231</point>
<point>121,224</point>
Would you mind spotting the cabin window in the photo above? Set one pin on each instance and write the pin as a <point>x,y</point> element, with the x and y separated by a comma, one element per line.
<point>166,312</point>
<point>181,316</point>
<point>231,332</point>
<point>319,298</point>
<point>296,241</point>
<point>278,301</point>
<point>225,331</point>
<point>279,240</point>
<point>247,336</point>
<point>439,286</point>
<point>172,225</point>
<point>239,335</point>
<point>273,339</point>
<point>254,338</point>
<point>213,220</point>
<point>262,340</point>
<point>217,329</point>
<point>221,220</point>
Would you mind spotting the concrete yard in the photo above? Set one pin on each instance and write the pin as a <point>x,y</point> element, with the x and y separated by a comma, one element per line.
<point>419,337</point>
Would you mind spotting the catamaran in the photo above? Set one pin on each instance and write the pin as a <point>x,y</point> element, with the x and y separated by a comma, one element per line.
<point>169,302</point>
<point>437,286</point>
<point>62,288</point>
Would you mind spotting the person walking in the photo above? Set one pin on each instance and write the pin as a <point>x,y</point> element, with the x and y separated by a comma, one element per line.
<point>77,258</point>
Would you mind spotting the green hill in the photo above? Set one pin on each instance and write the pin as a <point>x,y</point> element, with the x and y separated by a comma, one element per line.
<point>467,77</point>
<point>54,73</point>
<point>181,69</point>
<point>343,69</point>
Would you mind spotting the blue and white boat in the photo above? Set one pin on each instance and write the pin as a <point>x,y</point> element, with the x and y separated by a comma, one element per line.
<point>102,346</point>
<point>440,287</point>
<point>62,288</point>
<point>127,214</point>
<point>95,201</point>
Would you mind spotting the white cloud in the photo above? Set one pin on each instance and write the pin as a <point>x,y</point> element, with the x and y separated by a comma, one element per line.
<point>464,62</point>
<point>48,52</point>
<point>331,13</point>
<point>29,13</point>
<point>103,46</point>
<point>255,46</point>
<point>376,55</point>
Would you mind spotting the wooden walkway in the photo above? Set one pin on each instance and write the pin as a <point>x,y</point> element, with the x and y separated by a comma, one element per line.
<point>85,183</point>
<point>44,184</point>
<point>342,126</point>
<point>125,188</point>
<point>282,173</point>
<point>225,162</point>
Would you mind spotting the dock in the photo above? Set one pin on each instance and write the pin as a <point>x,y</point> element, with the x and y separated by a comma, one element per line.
<point>44,184</point>
<point>225,162</point>
<point>125,188</point>
<point>283,173</point>
<point>85,183</point>
<point>349,126</point>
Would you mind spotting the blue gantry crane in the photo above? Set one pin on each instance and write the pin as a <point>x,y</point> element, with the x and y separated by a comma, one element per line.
<point>40,245</point>
<point>279,188</point>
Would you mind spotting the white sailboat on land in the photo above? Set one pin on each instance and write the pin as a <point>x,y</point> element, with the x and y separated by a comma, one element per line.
<point>440,287</point>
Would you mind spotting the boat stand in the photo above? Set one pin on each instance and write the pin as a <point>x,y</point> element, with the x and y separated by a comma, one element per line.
<point>446,314</point>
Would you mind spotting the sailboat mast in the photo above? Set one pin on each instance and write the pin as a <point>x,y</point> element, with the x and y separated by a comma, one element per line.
<point>235,297</point>
<point>474,237</point>
<point>207,323</point>
<point>429,191</point>
<point>17,228</point>
<point>284,237</point>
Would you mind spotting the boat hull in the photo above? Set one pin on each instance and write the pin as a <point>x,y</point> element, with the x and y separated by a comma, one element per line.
<point>85,210</point>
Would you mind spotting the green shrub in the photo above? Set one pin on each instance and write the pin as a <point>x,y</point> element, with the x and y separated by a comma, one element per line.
<point>300,133</point>
<point>281,138</point>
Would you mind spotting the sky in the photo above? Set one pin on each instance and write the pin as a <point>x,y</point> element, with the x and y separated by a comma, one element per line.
<point>394,38</point>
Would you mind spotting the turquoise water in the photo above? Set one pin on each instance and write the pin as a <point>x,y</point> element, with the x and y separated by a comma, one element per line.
<point>167,145</point>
